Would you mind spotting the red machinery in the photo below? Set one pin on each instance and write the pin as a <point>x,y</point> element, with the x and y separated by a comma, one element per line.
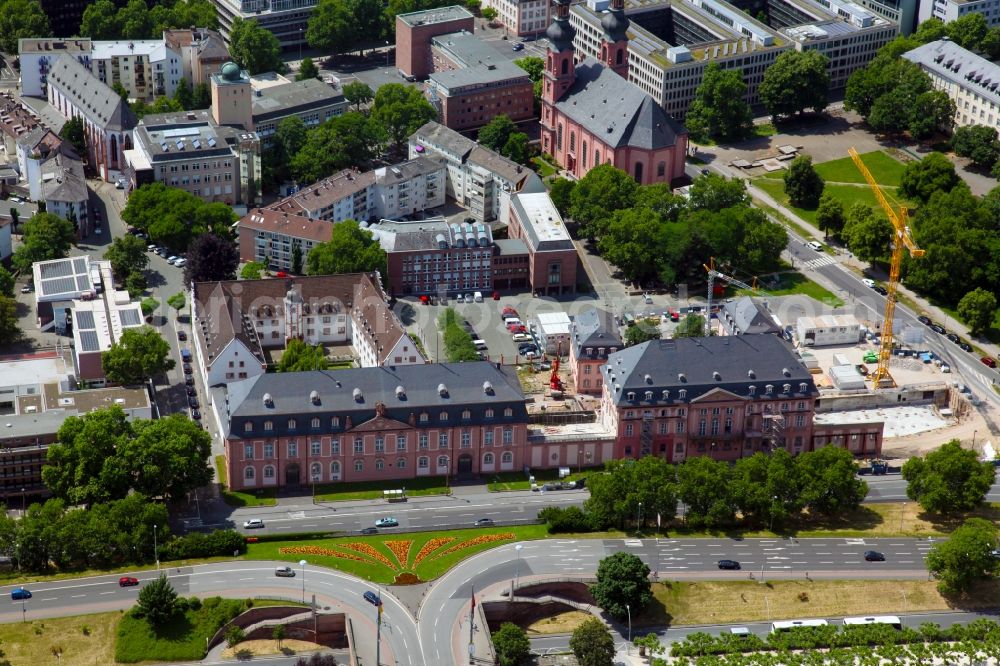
<point>554,382</point>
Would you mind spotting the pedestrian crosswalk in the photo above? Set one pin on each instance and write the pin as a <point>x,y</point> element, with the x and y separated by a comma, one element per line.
<point>825,260</point>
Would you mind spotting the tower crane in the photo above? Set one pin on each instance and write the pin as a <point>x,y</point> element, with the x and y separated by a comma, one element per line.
<point>901,238</point>
<point>712,275</point>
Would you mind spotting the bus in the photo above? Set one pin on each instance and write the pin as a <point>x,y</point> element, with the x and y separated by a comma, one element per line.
<point>890,620</point>
<point>787,625</point>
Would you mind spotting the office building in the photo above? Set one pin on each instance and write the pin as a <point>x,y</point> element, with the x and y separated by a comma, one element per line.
<point>949,10</point>
<point>415,30</point>
<point>521,17</point>
<point>969,80</point>
<point>552,266</point>
<point>287,19</point>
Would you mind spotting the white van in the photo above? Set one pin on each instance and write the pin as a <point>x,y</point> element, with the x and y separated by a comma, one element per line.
<point>478,297</point>
<point>480,345</point>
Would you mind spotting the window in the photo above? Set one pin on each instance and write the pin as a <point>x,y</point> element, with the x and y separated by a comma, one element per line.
<point>315,448</point>
<point>489,413</point>
<point>293,450</point>
<point>359,465</point>
<point>508,412</point>
<point>488,459</point>
<point>335,447</point>
<point>423,417</point>
<point>466,415</point>
<point>379,444</point>
<point>268,426</point>
<point>443,416</point>
<point>800,420</point>
<point>508,436</point>
<point>443,440</point>
<point>466,440</point>
<point>729,426</point>
<point>628,429</point>
<point>248,473</point>
<point>335,470</point>
<point>359,445</point>
<point>680,427</point>
<point>422,462</point>
<point>507,457</point>
<point>268,450</point>
<point>335,422</point>
<point>661,168</point>
<point>315,424</point>
<point>423,440</point>
<point>248,427</point>
<point>291,424</point>
<point>248,451</point>
<point>442,461</point>
<point>268,471</point>
<point>488,438</point>
<point>400,463</point>
<point>379,465</point>
<point>400,442</point>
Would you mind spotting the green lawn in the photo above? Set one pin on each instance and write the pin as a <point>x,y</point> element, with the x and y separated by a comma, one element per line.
<point>238,498</point>
<point>764,129</point>
<point>183,638</point>
<point>797,283</point>
<point>337,492</point>
<point>382,558</point>
<point>887,170</point>
<point>847,194</point>
<point>505,481</point>
<point>543,168</point>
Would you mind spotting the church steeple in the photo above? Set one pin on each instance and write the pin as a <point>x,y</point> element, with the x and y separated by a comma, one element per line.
<point>560,70</point>
<point>614,45</point>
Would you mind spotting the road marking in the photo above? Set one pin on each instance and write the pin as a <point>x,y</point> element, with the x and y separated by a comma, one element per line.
<point>112,592</point>
<point>77,596</point>
<point>826,562</point>
<point>48,599</point>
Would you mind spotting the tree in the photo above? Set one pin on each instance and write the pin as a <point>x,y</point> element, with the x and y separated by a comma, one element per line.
<point>9,331</point>
<point>351,139</point>
<point>297,259</point>
<point>401,110</point>
<point>763,241</point>
<point>278,634</point>
<point>978,308</point>
<point>177,302</point>
<point>534,66</point>
<point>830,214</point>
<point>991,44</point>
<point>254,48</point>
<point>517,148</point>
<point>766,487</point>
<point>592,644</point>
<point>803,184</point>
<point>350,249</point>
<point>72,131</point>
<point>977,142</point>
<point>622,580</point>
<point>650,643</point>
<point>692,326</point>
<point>495,133</point>
<point>6,282</point>
<point>638,333</point>
<point>511,645</point>
<point>490,14</point>
<point>83,467</point>
<point>930,30</point>
<point>168,457</point>
<point>713,193</point>
<point>966,557</point>
<point>339,26</point>
<point>201,96</point>
<point>934,173</point>
<point>210,258</point>
<point>561,191</point>
<point>299,357</point>
<point>183,95</point>
<point>21,19</point>
<point>830,483</point>
<point>798,80</point>
<point>932,112</point>
<point>632,241</point>
<point>358,93</point>
<point>174,217</point>
<point>252,270</point>
<point>719,110</point>
<point>136,285</point>
<point>139,354</point>
<point>134,20</point>
<point>968,30</point>
<point>867,233</point>
<point>45,236</point>
<point>307,70</point>
<point>149,305</point>
<point>235,635</point>
<point>100,20</point>
<point>703,486</point>
<point>14,219</point>
<point>948,480</point>
<point>595,197</point>
<point>158,601</point>
<point>127,254</point>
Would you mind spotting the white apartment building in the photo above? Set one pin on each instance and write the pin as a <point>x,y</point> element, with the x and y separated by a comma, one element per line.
<point>287,19</point>
<point>409,187</point>
<point>949,10</point>
<point>970,81</point>
<point>147,68</point>
<point>671,44</point>
<point>347,195</point>
<point>38,55</point>
<point>522,17</point>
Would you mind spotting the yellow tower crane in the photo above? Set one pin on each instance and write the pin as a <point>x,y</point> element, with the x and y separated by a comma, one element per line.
<point>901,237</point>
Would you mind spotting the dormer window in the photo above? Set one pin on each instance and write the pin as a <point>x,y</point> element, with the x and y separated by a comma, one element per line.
<point>443,416</point>
<point>424,416</point>
<point>631,396</point>
<point>769,389</point>
<point>649,396</point>
<point>466,415</point>
<point>753,390</point>
<point>335,422</point>
<point>787,388</point>
<point>315,423</point>
<point>682,394</point>
<point>802,387</point>
<point>248,426</point>
<point>268,426</point>
<point>508,412</point>
<point>291,424</point>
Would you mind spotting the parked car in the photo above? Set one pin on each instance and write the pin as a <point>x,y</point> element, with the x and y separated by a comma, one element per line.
<point>521,337</point>
<point>127,581</point>
<point>284,572</point>
<point>868,282</point>
<point>874,556</point>
<point>195,415</point>
<point>469,298</point>
<point>965,346</point>
<point>954,338</point>
<point>937,328</point>
<point>187,369</point>
<point>253,524</point>
<point>478,297</point>
<point>172,258</point>
<point>387,522</point>
<point>879,289</point>
<point>460,299</point>
<point>370,530</point>
<point>816,245</point>
<point>988,362</point>
<point>26,289</point>
<point>193,402</point>
<point>189,380</point>
<point>190,390</point>
<point>182,336</point>
<point>729,564</point>
<point>925,320</point>
<point>518,46</point>
<point>186,355</point>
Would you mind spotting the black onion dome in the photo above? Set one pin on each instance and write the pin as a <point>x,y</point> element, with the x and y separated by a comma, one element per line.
<point>560,35</point>
<point>615,24</point>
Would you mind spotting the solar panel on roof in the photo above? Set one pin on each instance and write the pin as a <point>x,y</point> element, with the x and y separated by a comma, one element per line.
<point>80,265</point>
<point>59,269</point>
<point>89,341</point>
<point>181,131</point>
<point>84,319</point>
<point>58,286</point>
<point>129,317</point>
<point>82,283</point>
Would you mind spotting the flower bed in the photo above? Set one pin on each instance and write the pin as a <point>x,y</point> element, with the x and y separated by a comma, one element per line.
<point>325,552</point>
<point>401,549</point>
<point>371,552</point>
<point>430,547</point>
<point>476,541</point>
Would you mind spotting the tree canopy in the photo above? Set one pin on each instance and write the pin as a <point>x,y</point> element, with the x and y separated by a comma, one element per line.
<point>622,581</point>
<point>921,179</point>
<point>139,354</point>
<point>978,309</point>
<point>173,217</point>
<point>977,142</point>
<point>339,26</point>
<point>401,110</point>
<point>299,357</point>
<point>254,48</point>
<point>494,134</point>
<point>350,139</point>
<point>307,70</point>
<point>512,645</point>
<point>137,20</point>
<point>796,81</point>
<point>21,19</point>
<point>127,255</point>
<point>867,232</point>
<point>803,185</point>
<point>157,601</point>
<point>45,236</point>
<point>211,258</point>
<point>358,93</point>
<point>948,480</point>
<point>350,249</point>
<point>592,644</point>
<point>966,557</point>
<point>719,110</point>
<point>72,131</point>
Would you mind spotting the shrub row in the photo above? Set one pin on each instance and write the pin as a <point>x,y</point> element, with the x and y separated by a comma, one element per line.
<point>199,544</point>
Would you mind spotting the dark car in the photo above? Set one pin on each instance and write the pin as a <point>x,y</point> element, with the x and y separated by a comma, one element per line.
<point>926,321</point>
<point>182,336</point>
<point>127,581</point>
<point>484,522</point>
<point>874,556</point>
<point>190,390</point>
<point>193,402</point>
<point>20,593</point>
<point>954,338</point>
<point>965,346</point>
<point>988,362</point>
<point>196,415</point>
<point>373,598</point>
<point>729,564</point>
<point>881,290</point>
<point>189,380</point>
<point>187,369</point>
<point>370,530</point>
<point>581,482</point>
<point>937,328</point>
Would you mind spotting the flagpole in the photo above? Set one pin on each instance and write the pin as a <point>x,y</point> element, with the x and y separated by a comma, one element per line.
<point>472,627</point>
<point>378,635</point>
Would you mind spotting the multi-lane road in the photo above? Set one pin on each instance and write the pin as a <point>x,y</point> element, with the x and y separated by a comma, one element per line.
<point>433,636</point>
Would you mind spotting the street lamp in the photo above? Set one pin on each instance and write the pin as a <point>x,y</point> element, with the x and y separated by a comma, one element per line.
<point>629,610</point>
<point>387,57</point>
<point>24,507</point>
<point>302,563</point>
<point>517,569</point>
<point>638,518</point>
<point>301,38</point>
<point>156,550</point>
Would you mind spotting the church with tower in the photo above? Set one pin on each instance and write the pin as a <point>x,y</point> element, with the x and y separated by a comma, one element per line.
<point>592,114</point>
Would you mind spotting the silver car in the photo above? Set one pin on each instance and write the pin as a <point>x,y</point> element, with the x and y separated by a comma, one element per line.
<point>285,572</point>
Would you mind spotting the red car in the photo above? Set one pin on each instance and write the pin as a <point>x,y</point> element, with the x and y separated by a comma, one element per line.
<point>988,362</point>
<point>127,581</point>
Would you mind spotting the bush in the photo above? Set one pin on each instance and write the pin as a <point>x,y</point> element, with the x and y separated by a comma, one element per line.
<point>194,603</point>
<point>220,542</point>
<point>234,636</point>
<point>569,519</point>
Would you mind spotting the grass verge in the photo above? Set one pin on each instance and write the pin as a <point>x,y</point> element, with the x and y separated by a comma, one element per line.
<point>238,498</point>
<point>783,219</point>
<point>846,194</point>
<point>506,481</point>
<point>563,623</point>
<point>886,169</point>
<point>724,602</point>
<point>39,641</point>
<point>382,558</point>
<point>797,283</point>
<point>543,168</point>
<point>339,492</point>
<point>182,638</point>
